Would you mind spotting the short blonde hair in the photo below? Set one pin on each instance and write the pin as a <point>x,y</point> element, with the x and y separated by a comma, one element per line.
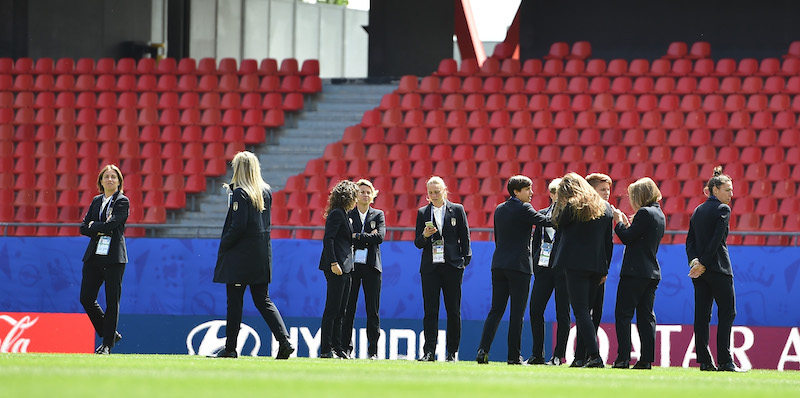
<point>643,192</point>
<point>365,182</point>
<point>595,179</point>
<point>553,187</point>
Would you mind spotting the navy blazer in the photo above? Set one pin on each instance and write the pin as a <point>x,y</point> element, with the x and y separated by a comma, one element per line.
<point>708,230</point>
<point>114,226</point>
<point>513,223</point>
<point>538,237</point>
<point>366,240</point>
<point>584,246</point>
<point>641,241</point>
<point>455,231</point>
<point>337,244</point>
<point>245,247</point>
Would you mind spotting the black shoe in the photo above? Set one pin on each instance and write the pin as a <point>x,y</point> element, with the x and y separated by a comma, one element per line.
<point>535,361</point>
<point>341,354</point>
<point>519,361</point>
<point>372,357</point>
<point>555,361</point>
<point>450,357</point>
<point>596,362</point>
<point>483,357</point>
<point>225,353</point>
<point>708,367</point>
<point>730,367</point>
<point>285,350</point>
<point>428,357</point>
<point>642,365</point>
<point>328,354</point>
<point>625,364</point>
<point>103,350</point>
<point>578,363</point>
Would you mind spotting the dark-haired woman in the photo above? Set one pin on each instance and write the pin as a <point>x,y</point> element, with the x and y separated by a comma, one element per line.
<point>640,273</point>
<point>337,262</point>
<point>711,272</point>
<point>245,254</point>
<point>105,257</point>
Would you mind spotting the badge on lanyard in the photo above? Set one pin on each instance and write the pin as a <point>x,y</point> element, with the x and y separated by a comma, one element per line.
<point>438,251</point>
<point>103,245</point>
<point>361,256</point>
<point>546,248</point>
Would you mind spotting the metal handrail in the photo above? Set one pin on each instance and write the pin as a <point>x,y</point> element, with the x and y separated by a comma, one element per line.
<point>392,232</point>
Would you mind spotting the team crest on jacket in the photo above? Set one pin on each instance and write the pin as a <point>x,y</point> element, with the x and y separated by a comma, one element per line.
<point>372,224</point>
<point>453,222</point>
<point>235,206</point>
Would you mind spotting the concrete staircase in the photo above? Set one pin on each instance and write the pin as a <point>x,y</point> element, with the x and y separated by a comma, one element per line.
<point>303,138</point>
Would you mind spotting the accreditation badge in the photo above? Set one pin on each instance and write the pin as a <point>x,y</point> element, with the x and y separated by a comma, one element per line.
<point>438,251</point>
<point>544,254</point>
<point>361,256</point>
<point>103,245</point>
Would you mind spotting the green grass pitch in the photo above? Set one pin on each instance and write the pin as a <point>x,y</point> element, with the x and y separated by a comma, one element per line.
<point>119,376</point>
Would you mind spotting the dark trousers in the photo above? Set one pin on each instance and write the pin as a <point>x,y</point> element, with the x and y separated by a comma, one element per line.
<point>447,280</point>
<point>263,304</point>
<point>371,279</point>
<point>636,294</point>
<point>335,305</point>
<point>545,281</point>
<point>582,287</point>
<point>596,309</point>
<point>708,288</point>
<point>505,284</point>
<point>94,275</point>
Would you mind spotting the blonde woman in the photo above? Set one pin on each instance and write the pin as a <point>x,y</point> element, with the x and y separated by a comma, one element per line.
<point>583,251</point>
<point>106,255</point>
<point>337,261</point>
<point>640,273</point>
<point>245,254</point>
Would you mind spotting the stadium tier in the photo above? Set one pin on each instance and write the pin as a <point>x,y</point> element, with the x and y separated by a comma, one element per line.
<point>170,124</point>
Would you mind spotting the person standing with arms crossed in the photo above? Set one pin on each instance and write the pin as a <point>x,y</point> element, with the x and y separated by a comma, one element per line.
<point>545,281</point>
<point>640,272</point>
<point>369,229</point>
<point>711,271</point>
<point>106,255</point>
<point>245,254</point>
<point>336,262</point>
<point>442,233</point>
<point>512,266</point>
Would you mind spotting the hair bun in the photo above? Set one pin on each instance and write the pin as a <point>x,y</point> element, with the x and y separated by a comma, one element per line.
<point>717,171</point>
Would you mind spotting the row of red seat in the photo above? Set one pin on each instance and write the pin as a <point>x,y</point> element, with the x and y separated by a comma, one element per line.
<point>582,120</point>
<point>597,102</point>
<point>620,67</point>
<point>292,101</point>
<point>164,66</point>
<point>600,84</point>
<point>162,83</point>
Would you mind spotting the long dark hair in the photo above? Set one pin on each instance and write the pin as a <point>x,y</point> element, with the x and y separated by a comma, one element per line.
<point>343,196</point>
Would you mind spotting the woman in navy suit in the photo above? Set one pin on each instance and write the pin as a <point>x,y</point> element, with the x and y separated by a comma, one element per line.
<point>711,272</point>
<point>583,223</point>
<point>336,262</point>
<point>512,266</point>
<point>245,254</point>
<point>369,229</point>
<point>640,271</point>
<point>442,233</point>
<point>106,255</point>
